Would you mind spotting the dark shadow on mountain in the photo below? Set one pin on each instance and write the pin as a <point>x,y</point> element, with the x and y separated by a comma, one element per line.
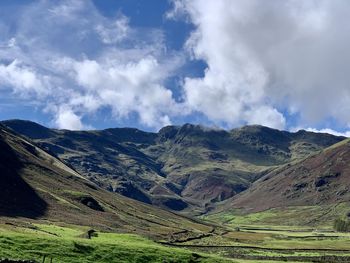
<point>17,197</point>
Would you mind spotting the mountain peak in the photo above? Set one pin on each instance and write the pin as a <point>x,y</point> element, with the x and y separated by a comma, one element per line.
<point>190,162</point>
<point>28,128</point>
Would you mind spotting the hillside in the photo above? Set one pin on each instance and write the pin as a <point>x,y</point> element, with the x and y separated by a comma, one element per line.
<point>312,192</point>
<point>214,165</point>
<point>181,167</point>
<point>37,187</point>
<point>321,179</point>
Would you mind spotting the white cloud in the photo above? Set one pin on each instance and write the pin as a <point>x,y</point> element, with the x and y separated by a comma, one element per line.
<point>11,42</point>
<point>115,32</point>
<point>178,10</point>
<point>263,59</point>
<point>74,61</point>
<point>67,119</point>
<point>22,79</point>
<point>326,130</point>
<point>131,87</point>
<point>266,57</point>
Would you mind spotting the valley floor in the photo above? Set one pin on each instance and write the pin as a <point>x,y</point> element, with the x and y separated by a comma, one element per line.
<point>276,243</point>
<point>245,244</point>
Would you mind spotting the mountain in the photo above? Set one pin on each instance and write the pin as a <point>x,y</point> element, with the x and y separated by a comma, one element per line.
<point>320,179</point>
<point>183,168</point>
<point>35,187</point>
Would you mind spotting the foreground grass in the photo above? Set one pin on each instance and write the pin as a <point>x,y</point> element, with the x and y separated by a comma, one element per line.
<point>257,243</point>
<point>63,244</point>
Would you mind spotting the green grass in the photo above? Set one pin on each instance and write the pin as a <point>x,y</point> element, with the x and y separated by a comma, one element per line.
<point>297,216</point>
<point>277,244</point>
<point>303,232</point>
<point>255,239</point>
<point>64,245</point>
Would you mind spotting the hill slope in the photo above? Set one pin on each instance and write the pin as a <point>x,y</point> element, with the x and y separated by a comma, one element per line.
<point>181,167</point>
<point>37,186</point>
<point>321,179</point>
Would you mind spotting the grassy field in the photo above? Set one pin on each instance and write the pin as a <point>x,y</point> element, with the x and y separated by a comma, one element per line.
<point>298,216</point>
<point>276,244</point>
<point>255,243</point>
<point>301,234</point>
<point>68,244</point>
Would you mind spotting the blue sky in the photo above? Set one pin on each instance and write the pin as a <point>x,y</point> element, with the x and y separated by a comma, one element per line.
<point>146,64</point>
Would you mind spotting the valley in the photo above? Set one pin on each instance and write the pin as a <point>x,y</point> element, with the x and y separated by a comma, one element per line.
<point>185,194</point>
<point>183,168</point>
<point>174,131</point>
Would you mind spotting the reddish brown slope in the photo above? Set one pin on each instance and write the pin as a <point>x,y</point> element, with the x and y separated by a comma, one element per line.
<point>323,178</point>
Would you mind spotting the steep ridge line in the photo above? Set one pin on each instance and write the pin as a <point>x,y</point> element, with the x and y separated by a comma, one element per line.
<point>185,168</point>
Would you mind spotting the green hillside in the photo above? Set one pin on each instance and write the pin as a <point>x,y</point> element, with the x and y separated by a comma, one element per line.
<point>185,168</point>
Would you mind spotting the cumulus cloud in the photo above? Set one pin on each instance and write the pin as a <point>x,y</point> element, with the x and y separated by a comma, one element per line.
<point>67,118</point>
<point>134,86</point>
<point>265,58</point>
<point>74,61</point>
<point>265,61</point>
<point>22,79</point>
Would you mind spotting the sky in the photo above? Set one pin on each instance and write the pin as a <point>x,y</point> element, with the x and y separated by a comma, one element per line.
<point>91,64</point>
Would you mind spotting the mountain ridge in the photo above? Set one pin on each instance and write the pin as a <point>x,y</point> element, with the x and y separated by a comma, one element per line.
<point>37,187</point>
<point>183,168</point>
